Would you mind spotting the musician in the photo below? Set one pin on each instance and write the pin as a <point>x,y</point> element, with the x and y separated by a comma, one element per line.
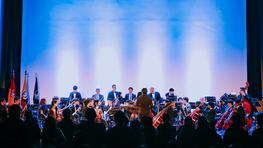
<point>170,96</point>
<point>220,107</point>
<point>211,114</point>
<point>243,93</point>
<point>98,96</point>
<point>113,96</point>
<point>75,94</point>
<point>76,108</point>
<point>187,105</point>
<point>156,97</point>
<point>53,111</point>
<point>225,119</point>
<point>139,94</point>
<point>144,104</point>
<point>130,96</point>
<point>248,108</point>
<point>239,110</point>
<point>43,109</point>
<point>3,104</point>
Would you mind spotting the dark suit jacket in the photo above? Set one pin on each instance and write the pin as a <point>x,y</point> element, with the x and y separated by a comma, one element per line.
<point>126,98</point>
<point>78,96</point>
<point>157,96</point>
<point>111,95</point>
<point>101,97</point>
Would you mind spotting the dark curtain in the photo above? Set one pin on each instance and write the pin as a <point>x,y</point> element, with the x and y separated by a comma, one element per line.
<point>255,47</point>
<point>11,45</point>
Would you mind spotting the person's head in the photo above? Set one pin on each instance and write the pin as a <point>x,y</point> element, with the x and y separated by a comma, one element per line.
<point>186,99</point>
<point>90,114</point>
<point>114,87</point>
<point>144,91</point>
<point>14,111</point>
<point>230,103</point>
<point>130,90</point>
<point>75,88</point>
<point>120,118</point>
<point>89,102</point>
<point>171,91</point>
<point>54,103</point>
<point>66,113</point>
<point>152,90</point>
<point>180,100</point>
<point>43,101</point>
<point>242,91</point>
<point>211,105</point>
<point>220,103</point>
<point>259,119</point>
<point>97,91</point>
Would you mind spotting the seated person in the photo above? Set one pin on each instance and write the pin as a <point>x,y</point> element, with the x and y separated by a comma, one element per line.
<point>130,96</point>
<point>113,96</point>
<point>170,96</point>
<point>75,94</point>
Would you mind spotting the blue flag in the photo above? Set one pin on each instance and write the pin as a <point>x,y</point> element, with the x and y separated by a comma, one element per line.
<point>36,93</point>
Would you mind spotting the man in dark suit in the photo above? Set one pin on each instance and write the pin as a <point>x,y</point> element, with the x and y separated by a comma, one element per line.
<point>156,97</point>
<point>130,96</point>
<point>113,96</point>
<point>98,96</point>
<point>99,100</point>
<point>170,96</point>
<point>75,94</point>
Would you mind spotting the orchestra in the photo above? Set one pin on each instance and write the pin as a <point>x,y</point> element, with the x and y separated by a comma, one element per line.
<point>219,114</point>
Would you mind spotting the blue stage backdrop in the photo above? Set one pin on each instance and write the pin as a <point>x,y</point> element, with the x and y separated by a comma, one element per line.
<point>197,47</point>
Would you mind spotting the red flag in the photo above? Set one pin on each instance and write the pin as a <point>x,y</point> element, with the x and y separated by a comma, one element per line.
<point>12,90</point>
<point>25,93</point>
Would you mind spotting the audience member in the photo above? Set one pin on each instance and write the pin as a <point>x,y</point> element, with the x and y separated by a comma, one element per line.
<point>52,136</point>
<point>257,135</point>
<point>89,133</point>
<point>67,126</point>
<point>236,136</point>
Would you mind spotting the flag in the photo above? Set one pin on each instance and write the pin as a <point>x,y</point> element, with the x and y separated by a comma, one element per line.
<point>12,90</point>
<point>36,93</point>
<point>25,98</point>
